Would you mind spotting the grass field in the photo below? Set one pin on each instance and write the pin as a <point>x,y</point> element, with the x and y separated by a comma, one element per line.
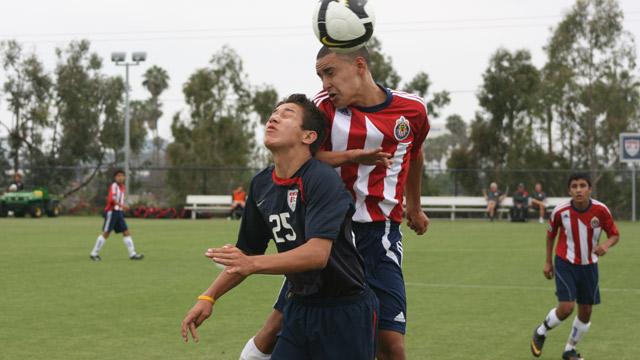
<point>475,291</point>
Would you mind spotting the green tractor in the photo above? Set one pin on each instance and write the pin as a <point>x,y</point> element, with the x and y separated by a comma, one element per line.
<point>35,203</point>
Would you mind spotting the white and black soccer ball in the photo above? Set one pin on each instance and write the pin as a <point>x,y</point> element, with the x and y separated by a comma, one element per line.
<point>343,25</point>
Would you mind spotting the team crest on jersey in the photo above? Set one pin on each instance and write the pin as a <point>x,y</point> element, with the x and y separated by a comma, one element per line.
<point>595,222</point>
<point>292,199</point>
<point>402,129</point>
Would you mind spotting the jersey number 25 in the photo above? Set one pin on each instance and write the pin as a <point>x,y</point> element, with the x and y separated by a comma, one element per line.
<point>281,223</point>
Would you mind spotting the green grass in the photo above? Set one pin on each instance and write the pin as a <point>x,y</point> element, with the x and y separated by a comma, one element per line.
<point>475,291</point>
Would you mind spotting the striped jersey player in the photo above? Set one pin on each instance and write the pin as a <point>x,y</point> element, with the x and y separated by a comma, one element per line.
<point>374,141</point>
<point>399,127</point>
<point>580,231</point>
<point>580,223</point>
<point>114,219</point>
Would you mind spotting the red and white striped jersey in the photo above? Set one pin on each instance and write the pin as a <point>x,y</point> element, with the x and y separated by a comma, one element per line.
<point>399,126</point>
<point>581,230</point>
<point>115,197</point>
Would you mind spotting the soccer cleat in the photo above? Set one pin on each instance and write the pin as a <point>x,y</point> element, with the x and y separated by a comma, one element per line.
<point>137,257</point>
<point>95,257</point>
<point>537,342</point>
<point>571,355</point>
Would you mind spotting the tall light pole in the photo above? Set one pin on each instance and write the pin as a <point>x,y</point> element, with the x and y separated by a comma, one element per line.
<point>120,59</point>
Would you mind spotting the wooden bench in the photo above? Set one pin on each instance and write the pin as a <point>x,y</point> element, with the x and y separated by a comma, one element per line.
<point>218,204</point>
<point>473,204</point>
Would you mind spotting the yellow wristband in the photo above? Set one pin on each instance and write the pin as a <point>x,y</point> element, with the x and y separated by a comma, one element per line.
<point>208,298</point>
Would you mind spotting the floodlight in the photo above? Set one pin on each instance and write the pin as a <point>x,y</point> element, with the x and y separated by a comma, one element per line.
<point>139,56</point>
<point>118,56</point>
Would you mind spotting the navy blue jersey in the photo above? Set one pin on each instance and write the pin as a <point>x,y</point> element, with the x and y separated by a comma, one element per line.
<point>312,204</point>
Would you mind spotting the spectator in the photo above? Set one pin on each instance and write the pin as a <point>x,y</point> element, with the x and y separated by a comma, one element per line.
<point>17,182</point>
<point>238,200</point>
<point>520,204</point>
<point>538,201</point>
<point>494,198</point>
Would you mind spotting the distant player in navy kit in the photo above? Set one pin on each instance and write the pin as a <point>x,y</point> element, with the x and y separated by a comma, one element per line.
<point>114,219</point>
<point>304,207</point>
<point>580,222</point>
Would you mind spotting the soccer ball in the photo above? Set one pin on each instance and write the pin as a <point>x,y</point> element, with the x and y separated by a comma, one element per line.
<point>343,25</point>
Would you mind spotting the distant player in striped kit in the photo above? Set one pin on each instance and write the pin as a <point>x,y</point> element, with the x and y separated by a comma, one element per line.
<point>374,141</point>
<point>114,219</point>
<point>580,223</point>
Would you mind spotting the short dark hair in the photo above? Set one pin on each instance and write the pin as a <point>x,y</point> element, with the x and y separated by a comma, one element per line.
<point>312,118</point>
<point>362,52</point>
<point>579,176</point>
<point>118,171</point>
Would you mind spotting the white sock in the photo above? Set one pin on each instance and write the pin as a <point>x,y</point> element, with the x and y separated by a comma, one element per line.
<point>251,352</point>
<point>549,323</point>
<point>128,242</point>
<point>578,329</point>
<point>99,244</point>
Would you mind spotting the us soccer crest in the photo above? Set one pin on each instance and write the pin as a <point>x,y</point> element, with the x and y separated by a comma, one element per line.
<point>402,129</point>
<point>595,222</point>
<point>632,146</point>
<point>292,199</point>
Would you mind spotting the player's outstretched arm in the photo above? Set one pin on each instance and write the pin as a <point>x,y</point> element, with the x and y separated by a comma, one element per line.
<point>313,255</point>
<point>417,220</point>
<point>203,308</point>
<point>358,156</point>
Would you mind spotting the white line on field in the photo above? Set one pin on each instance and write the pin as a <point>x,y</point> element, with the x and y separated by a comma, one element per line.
<point>505,287</point>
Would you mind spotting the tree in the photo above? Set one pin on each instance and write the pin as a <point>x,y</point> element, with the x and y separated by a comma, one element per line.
<point>89,122</point>
<point>156,81</point>
<point>28,87</point>
<point>420,85</point>
<point>503,132</point>
<point>265,99</point>
<point>591,65</point>
<point>217,131</point>
<point>381,65</point>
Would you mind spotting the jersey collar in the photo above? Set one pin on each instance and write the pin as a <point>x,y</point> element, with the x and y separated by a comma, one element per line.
<point>379,107</point>
<point>581,211</point>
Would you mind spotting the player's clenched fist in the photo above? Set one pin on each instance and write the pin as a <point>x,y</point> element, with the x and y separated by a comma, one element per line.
<point>196,316</point>
<point>548,271</point>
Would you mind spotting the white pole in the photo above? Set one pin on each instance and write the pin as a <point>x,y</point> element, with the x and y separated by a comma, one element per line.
<point>633,192</point>
<point>126,132</point>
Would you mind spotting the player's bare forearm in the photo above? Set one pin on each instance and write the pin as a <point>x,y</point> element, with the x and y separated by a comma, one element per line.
<point>417,220</point>
<point>223,283</point>
<point>414,183</point>
<point>612,241</point>
<point>549,252</point>
<point>359,156</point>
<point>313,255</point>
<point>602,249</point>
<point>203,308</point>
<point>334,158</point>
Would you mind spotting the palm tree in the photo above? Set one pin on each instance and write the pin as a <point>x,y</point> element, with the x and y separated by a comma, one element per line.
<point>156,80</point>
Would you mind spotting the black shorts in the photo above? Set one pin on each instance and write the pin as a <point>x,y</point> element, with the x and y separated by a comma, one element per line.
<point>329,328</point>
<point>577,282</point>
<point>114,221</point>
